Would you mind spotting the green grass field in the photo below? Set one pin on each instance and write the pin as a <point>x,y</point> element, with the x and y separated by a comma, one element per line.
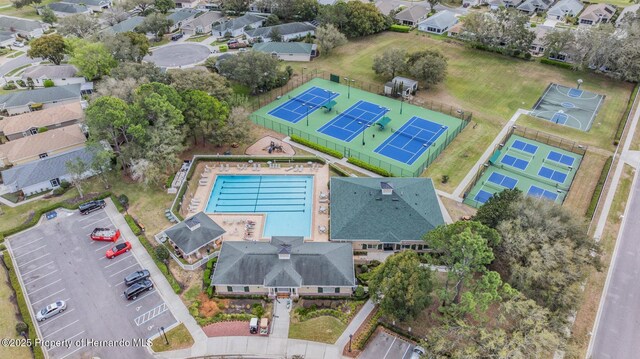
<point>321,329</point>
<point>8,320</point>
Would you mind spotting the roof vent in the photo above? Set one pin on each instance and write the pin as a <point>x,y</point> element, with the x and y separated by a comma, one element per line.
<point>387,188</point>
<point>284,251</point>
<point>192,223</point>
<point>378,198</point>
<point>395,199</point>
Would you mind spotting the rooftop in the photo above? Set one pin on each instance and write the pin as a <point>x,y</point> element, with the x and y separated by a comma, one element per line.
<point>50,71</point>
<point>285,29</point>
<point>284,47</point>
<point>441,19</point>
<point>43,118</point>
<point>238,23</point>
<point>194,232</point>
<point>45,142</point>
<point>182,15</point>
<point>68,8</point>
<point>127,25</point>
<point>44,95</point>
<point>413,13</point>
<point>8,22</point>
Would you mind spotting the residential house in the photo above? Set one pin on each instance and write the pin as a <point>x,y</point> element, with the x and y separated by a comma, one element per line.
<point>535,6</point>
<point>63,9</point>
<point>93,5</point>
<point>235,27</point>
<point>411,16</point>
<point>409,86</point>
<point>470,3</point>
<point>29,29</point>
<point>386,7</point>
<point>7,38</point>
<point>28,124</point>
<point>24,101</point>
<point>60,75</point>
<point>181,17</point>
<point>383,214</point>
<point>260,7</point>
<point>512,3</point>
<point>45,173</point>
<point>284,267</point>
<point>202,24</point>
<point>288,51</point>
<point>563,9</point>
<point>595,14</point>
<point>629,11</point>
<point>439,23</point>
<point>496,4</point>
<point>129,24</point>
<point>41,145</point>
<point>456,30</point>
<point>210,5</point>
<point>195,237</point>
<point>290,31</point>
<point>538,44</point>
<point>187,4</point>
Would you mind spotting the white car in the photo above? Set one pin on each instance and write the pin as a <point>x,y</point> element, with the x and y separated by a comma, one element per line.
<point>417,352</point>
<point>51,310</point>
<point>18,44</point>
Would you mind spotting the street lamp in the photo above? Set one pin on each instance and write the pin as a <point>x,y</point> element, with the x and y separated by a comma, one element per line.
<point>349,81</point>
<point>307,107</point>
<point>166,340</point>
<point>304,68</point>
<point>364,127</point>
<point>284,83</point>
<point>350,337</point>
<point>401,101</point>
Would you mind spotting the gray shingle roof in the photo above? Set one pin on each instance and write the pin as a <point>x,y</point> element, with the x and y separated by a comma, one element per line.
<point>203,231</point>
<point>68,8</point>
<point>359,210</point>
<point>284,47</point>
<point>204,20</point>
<point>89,2</point>
<point>45,95</point>
<point>563,7</point>
<point>285,29</point>
<point>309,264</point>
<point>597,11</point>
<point>441,19</point>
<point>531,5</point>
<point>19,24</point>
<point>50,71</point>
<point>238,23</point>
<point>129,24</point>
<point>414,13</point>
<point>182,15</point>
<point>43,169</point>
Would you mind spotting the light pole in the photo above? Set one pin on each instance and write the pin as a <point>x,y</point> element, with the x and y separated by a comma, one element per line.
<point>349,81</point>
<point>304,68</point>
<point>350,337</point>
<point>364,127</point>
<point>307,107</point>
<point>166,340</point>
<point>401,101</point>
<point>284,83</point>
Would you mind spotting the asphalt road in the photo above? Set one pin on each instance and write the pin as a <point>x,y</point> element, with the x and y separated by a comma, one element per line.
<point>618,331</point>
<point>179,54</point>
<point>17,62</point>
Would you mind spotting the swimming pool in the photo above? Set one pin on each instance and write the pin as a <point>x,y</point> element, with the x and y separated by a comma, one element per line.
<point>286,201</point>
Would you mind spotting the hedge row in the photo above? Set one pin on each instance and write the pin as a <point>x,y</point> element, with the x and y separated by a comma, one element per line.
<point>223,317</point>
<point>317,147</point>
<point>370,326</point>
<point>22,306</point>
<point>325,312</point>
<point>170,181</point>
<point>399,28</point>
<point>596,193</point>
<point>370,167</point>
<point>161,265</point>
<point>400,331</point>
<point>339,170</point>
<point>132,224</point>
<point>623,120</point>
<point>561,64</point>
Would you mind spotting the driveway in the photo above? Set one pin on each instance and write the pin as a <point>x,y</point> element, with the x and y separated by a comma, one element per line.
<point>179,55</point>
<point>58,261</point>
<point>17,62</point>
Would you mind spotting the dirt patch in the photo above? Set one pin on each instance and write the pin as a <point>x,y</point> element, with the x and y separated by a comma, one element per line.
<point>186,278</point>
<point>210,307</point>
<point>584,183</point>
<point>261,147</point>
<point>456,209</point>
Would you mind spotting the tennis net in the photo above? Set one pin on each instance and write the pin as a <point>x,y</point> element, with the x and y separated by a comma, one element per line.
<point>359,119</point>
<point>307,103</point>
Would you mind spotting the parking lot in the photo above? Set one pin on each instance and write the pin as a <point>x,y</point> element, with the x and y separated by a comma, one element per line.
<point>58,261</point>
<point>386,346</point>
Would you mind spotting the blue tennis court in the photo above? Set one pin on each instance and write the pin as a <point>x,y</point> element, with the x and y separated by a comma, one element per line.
<point>515,162</point>
<point>535,191</point>
<point>559,118</point>
<point>412,139</point>
<point>350,123</point>
<point>557,176</point>
<point>503,180</point>
<point>483,196</point>
<point>560,158</point>
<point>525,147</point>
<point>303,104</point>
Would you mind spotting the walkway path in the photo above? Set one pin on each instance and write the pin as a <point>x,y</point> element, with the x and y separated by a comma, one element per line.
<point>281,318</point>
<point>355,324</point>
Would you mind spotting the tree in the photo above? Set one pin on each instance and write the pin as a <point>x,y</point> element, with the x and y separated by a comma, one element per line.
<point>513,31</point>
<point>203,114</point>
<point>115,14</point>
<point>203,80</point>
<point>254,69</point>
<point>162,253</point>
<point>47,15</point>
<point>22,3</point>
<point>144,72</point>
<point>92,59</point>
<point>479,27</point>
<point>329,37</point>
<point>122,89</point>
<point>163,6</point>
<point>138,7</point>
<point>49,47</point>
<point>156,24</point>
<point>237,129</point>
<point>275,35</point>
<point>390,63</point>
<point>364,19</point>
<point>627,59</point>
<point>101,162</point>
<point>558,41</point>
<point>272,20</point>
<point>127,46</point>
<point>498,208</point>
<point>335,15</point>
<point>167,92</point>
<point>78,25</point>
<point>401,285</point>
<point>595,47</point>
<point>235,6</point>
<point>428,66</point>
<point>77,169</point>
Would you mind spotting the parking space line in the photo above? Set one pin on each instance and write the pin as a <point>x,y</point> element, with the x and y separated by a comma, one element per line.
<point>33,270</point>
<point>31,251</point>
<point>140,297</point>
<point>390,346</point>
<point>41,288</point>
<point>44,276</point>
<point>405,352</point>
<point>103,247</point>
<point>50,295</point>
<point>90,215</point>
<point>117,261</point>
<point>122,270</point>
<point>94,222</point>
<point>54,332</point>
<point>151,314</point>
<point>69,338</point>
<point>73,352</point>
<point>57,316</point>
<point>33,260</point>
<point>24,245</point>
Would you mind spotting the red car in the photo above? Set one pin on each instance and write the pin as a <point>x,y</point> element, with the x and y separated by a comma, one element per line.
<point>118,250</point>
<point>105,234</point>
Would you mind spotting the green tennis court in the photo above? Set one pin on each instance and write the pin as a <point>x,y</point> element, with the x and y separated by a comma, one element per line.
<point>537,169</point>
<point>396,136</point>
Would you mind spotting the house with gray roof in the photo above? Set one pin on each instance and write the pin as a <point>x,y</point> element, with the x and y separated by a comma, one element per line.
<point>629,11</point>
<point>236,27</point>
<point>15,103</point>
<point>186,4</point>
<point>290,31</point>
<point>44,174</point>
<point>93,5</point>
<point>195,235</point>
<point>202,24</point>
<point>383,214</point>
<point>63,9</point>
<point>535,6</point>
<point>596,14</point>
<point>29,29</point>
<point>563,9</point>
<point>60,74</point>
<point>129,24</point>
<point>181,17</point>
<point>411,16</point>
<point>386,7</point>
<point>284,266</point>
<point>288,51</point>
<point>439,23</point>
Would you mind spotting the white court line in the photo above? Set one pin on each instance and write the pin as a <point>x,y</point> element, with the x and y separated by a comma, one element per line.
<point>33,270</point>
<point>50,295</point>
<point>44,276</point>
<point>57,316</point>
<point>94,222</point>
<point>48,285</point>
<point>35,259</point>
<point>122,270</point>
<point>31,251</point>
<point>390,346</point>
<point>105,246</point>
<point>73,352</point>
<point>25,244</point>
<point>66,326</point>
<point>116,261</point>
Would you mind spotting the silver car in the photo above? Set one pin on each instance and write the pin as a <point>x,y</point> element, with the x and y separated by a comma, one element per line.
<point>51,310</point>
<point>417,352</point>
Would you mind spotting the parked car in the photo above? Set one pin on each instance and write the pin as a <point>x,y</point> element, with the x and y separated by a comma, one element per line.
<point>417,352</point>
<point>105,234</point>
<point>253,326</point>
<point>176,37</point>
<point>136,277</point>
<point>51,310</point>
<point>18,44</point>
<point>118,250</point>
<point>92,206</point>
<point>138,288</point>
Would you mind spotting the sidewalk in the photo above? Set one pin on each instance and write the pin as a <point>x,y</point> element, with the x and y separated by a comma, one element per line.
<point>355,324</point>
<point>281,318</point>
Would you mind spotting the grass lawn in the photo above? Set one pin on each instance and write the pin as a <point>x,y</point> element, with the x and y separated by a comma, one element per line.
<point>16,54</point>
<point>14,216</point>
<point>321,329</point>
<point>198,38</point>
<point>179,338</point>
<point>586,180</point>
<point>216,43</point>
<point>27,12</point>
<point>16,70</point>
<point>618,3</point>
<point>163,41</point>
<point>8,320</point>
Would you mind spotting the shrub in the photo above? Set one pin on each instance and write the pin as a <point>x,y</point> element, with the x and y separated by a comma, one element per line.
<point>48,83</point>
<point>211,262</point>
<point>117,203</point>
<point>561,64</point>
<point>162,253</point>
<point>399,28</point>
<point>9,87</point>
<point>623,121</point>
<point>59,191</point>
<point>223,48</point>
<point>160,264</point>
<point>258,310</point>
<point>599,185</point>
<point>123,200</point>
<point>65,184</point>
<point>445,179</point>
<point>369,327</point>
<point>21,83</point>
<point>527,56</point>
<point>2,246</point>
<point>210,292</point>
<point>367,166</point>
<point>206,278</point>
<point>169,181</point>
<point>317,147</point>
<point>359,293</point>
<point>21,327</point>
<point>132,224</point>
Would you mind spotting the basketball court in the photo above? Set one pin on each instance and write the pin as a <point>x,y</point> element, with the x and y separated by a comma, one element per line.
<point>568,106</point>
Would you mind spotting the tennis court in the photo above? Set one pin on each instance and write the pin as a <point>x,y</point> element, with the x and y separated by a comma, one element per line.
<point>350,123</point>
<point>568,106</point>
<point>408,143</point>
<point>297,108</point>
<point>537,169</point>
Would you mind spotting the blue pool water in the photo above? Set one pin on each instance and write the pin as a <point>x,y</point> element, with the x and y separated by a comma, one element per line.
<point>286,201</point>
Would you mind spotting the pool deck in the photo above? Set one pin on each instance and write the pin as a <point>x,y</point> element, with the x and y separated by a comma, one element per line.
<point>204,177</point>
